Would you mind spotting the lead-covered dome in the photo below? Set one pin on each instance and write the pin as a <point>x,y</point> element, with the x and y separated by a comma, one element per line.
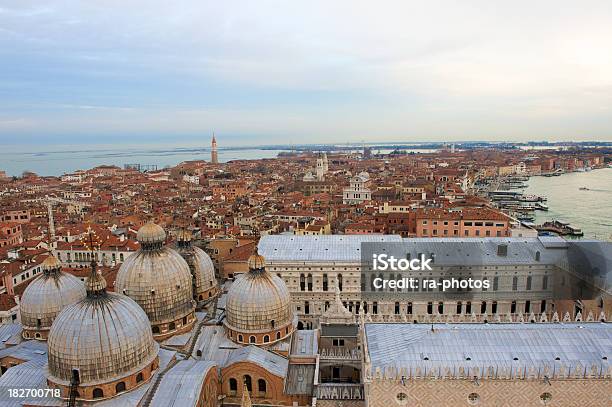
<point>46,296</point>
<point>101,339</point>
<point>201,266</point>
<point>258,306</point>
<point>159,280</point>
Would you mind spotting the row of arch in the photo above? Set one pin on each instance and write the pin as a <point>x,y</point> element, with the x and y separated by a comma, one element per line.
<point>262,385</point>
<point>120,387</point>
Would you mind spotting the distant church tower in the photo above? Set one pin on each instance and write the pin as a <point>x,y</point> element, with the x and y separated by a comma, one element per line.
<point>322,166</point>
<point>214,158</point>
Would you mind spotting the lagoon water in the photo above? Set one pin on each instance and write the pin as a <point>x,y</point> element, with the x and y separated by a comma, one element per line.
<point>589,210</point>
<point>58,162</point>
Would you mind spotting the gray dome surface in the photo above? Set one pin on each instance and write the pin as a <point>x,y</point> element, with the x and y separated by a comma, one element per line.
<point>106,337</point>
<point>46,296</point>
<point>255,300</point>
<point>159,281</point>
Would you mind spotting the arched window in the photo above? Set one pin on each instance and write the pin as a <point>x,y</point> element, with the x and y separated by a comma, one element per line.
<point>251,339</point>
<point>266,338</point>
<point>119,387</point>
<point>139,377</point>
<point>98,393</point>
<point>155,329</point>
<point>277,335</point>
<point>199,353</point>
<point>309,282</point>
<point>240,339</point>
<point>261,385</point>
<point>233,386</point>
<point>340,282</point>
<point>171,326</point>
<point>247,382</point>
<point>302,282</point>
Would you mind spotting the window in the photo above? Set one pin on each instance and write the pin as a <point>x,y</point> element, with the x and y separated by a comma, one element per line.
<point>240,338</point>
<point>233,386</point>
<point>528,283</point>
<point>306,307</point>
<point>468,307</point>
<point>430,308</point>
<point>302,282</point>
<point>409,308</point>
<point>514,283</point>
<point>527,306</point>
<point>325,282</point>
<point>545,283</point>
<point>251,339</point>
<point>247,382</point>
<point>483,307</point>
<point>440,308</point>
<point>119,387</point>
<point>261,385</point>
<point>401,398</point>
<point>98,393</point>
<point>513,307</point>
<point>309,282</point>
<point>340,282</point>
<point>473,399</point>
<point>494,307</point>
<point>495,283</point>
<point>375,307</point>
<point>459,306</point>
<point>266,339</point>
<point>397,308</point>
<point>278,335</point>
<point>338,342</point>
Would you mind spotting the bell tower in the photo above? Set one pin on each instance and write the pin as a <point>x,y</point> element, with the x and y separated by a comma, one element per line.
<point>214,158</point>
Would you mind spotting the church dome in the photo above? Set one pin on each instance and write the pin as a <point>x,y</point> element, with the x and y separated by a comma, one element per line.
<point>200,264</point>
<point>258,306</point>
<point>105,337</point>
<point>159,280</point>
<point>46,296</point>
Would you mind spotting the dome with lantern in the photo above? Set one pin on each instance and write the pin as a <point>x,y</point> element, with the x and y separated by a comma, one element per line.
<point>159,280</point>
<point>201,266</point>
<point>46,296</point>
<point>101,345</point>
<point>258,306</point>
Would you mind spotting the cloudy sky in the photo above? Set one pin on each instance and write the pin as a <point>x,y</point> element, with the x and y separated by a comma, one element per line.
<point>305,71</point>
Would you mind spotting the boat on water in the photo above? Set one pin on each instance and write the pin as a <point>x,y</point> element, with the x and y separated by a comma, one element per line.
<point>532,198</point>
<point>584,189</point>
<point>560,227</point>
<point>540,206</point>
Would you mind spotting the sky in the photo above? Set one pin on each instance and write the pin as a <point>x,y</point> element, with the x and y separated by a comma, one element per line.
<point>267,72</point>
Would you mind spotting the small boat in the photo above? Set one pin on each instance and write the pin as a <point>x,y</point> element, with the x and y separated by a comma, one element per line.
<point>584,189</point>
<point>560,227</point>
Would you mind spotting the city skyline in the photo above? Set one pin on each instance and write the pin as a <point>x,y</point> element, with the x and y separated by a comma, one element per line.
<point>274,73</point>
